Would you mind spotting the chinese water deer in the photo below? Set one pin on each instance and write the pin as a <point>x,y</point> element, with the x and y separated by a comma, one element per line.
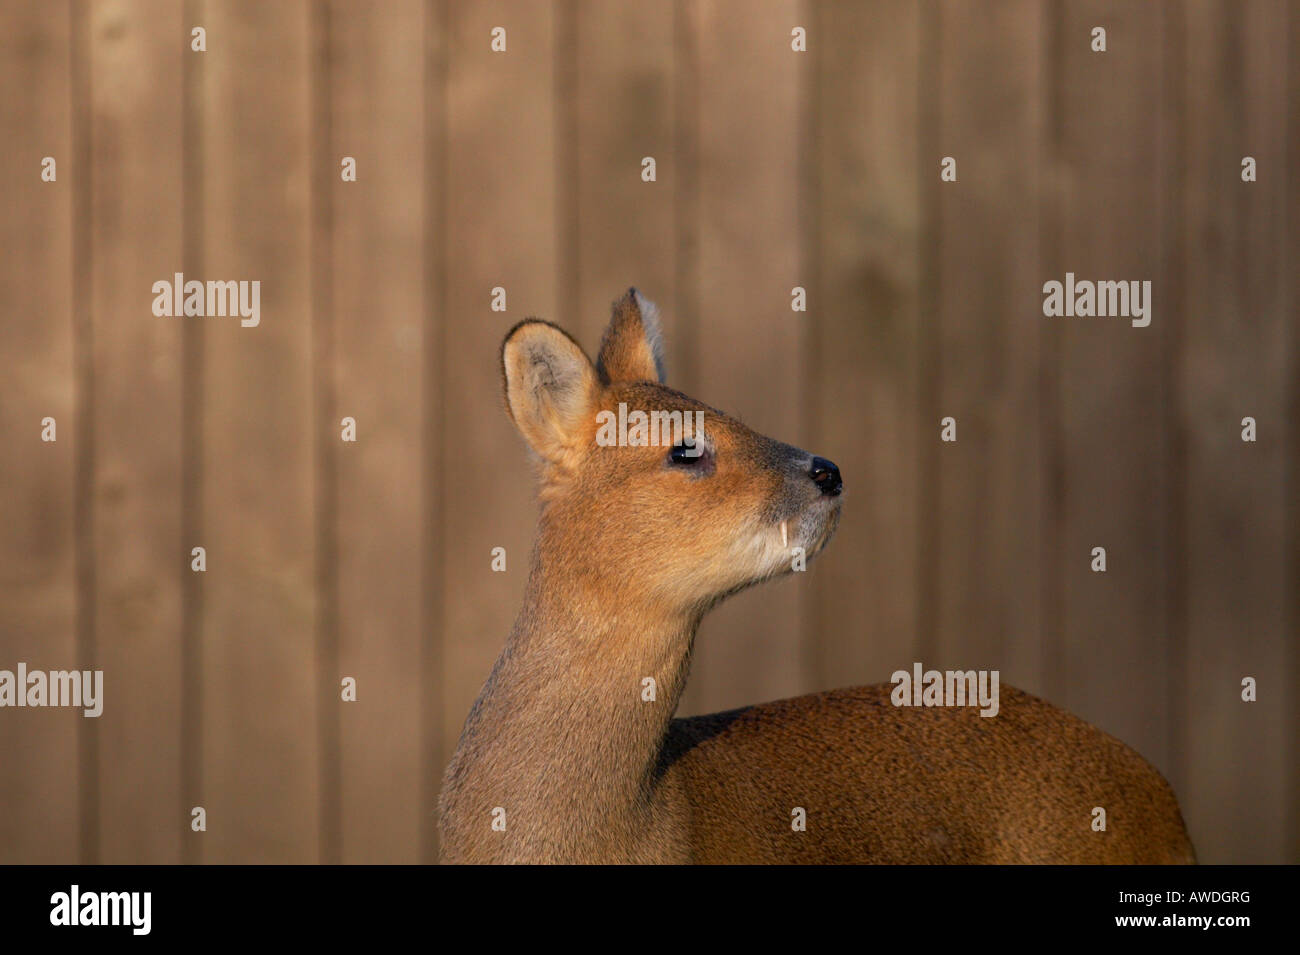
<point>567,757</point>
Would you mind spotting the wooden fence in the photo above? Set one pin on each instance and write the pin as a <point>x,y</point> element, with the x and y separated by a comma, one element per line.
<point>522,170</point>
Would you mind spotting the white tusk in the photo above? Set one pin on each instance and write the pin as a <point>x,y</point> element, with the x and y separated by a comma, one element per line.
<point>783,537</point>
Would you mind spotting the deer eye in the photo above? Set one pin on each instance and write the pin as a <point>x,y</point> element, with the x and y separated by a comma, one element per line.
<point>688,454</point>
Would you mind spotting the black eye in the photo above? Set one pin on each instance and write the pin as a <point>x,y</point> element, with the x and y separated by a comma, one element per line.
<point>687,454</point>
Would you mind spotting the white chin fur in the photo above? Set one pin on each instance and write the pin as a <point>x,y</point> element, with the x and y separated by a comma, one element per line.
<point>769,550</point>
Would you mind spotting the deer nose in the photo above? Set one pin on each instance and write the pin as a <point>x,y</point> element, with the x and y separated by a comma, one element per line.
<point>826,476</point>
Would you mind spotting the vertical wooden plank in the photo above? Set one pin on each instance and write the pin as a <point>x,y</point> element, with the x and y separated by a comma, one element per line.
<point>38,600</point>
<point>325,504</point>
<point>433,603</point>
<point>136,55</point>
<point>376,59</point>
<point>623,58</point>
<point>261,759</point>
<point>628,68</point>
<point>686,195</point>
<point>568,122</point>
<point>1291,738</point>
<point>1052,182</point>
<point>83,491</point>
<point>501,216</point>
<point>864,375</point>
<point>1109,220</point>
<point>1234,364</point>
<point>193,387</point>
<point>749,341</point>
<point>989,484</point>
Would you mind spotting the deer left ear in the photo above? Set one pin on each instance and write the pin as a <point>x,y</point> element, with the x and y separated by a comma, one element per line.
<point>632,349</point>
<point>551,389</point>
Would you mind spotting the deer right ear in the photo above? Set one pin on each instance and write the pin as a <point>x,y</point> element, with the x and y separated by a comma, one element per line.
<point>552,390</point>
<point>632,349</point>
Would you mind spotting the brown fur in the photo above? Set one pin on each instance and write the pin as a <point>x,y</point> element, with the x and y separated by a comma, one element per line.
<point>632,551</point>
<point>915,785</point>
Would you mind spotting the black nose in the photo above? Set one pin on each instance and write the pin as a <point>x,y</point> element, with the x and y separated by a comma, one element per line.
<point>826,476</point>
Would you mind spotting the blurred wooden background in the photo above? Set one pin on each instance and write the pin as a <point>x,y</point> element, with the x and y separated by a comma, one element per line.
<point>522,170</point>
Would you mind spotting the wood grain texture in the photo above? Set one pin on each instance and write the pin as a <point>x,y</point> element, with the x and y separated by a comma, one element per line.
<point>136,240</point>
<point>379,309</point>
<point>500,233</point>
<point>982,606</point>
<point>622,60</point>
<point>522,170</point>
<point>38,575</point>
<point>749,342</point>
<point>1116,149</point>
<point>1234,364</point>
<point>865,385</point>
<point>260,744</point>
<point>1289,844</point>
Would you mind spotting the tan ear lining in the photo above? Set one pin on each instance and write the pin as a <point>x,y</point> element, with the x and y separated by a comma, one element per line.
<point>551,388</point>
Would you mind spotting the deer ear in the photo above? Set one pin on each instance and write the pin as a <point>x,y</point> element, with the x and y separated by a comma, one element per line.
<point>632,349</point>
<point>551,388</point>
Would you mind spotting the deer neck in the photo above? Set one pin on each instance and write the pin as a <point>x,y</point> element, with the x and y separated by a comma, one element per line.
<point>567,734</point>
